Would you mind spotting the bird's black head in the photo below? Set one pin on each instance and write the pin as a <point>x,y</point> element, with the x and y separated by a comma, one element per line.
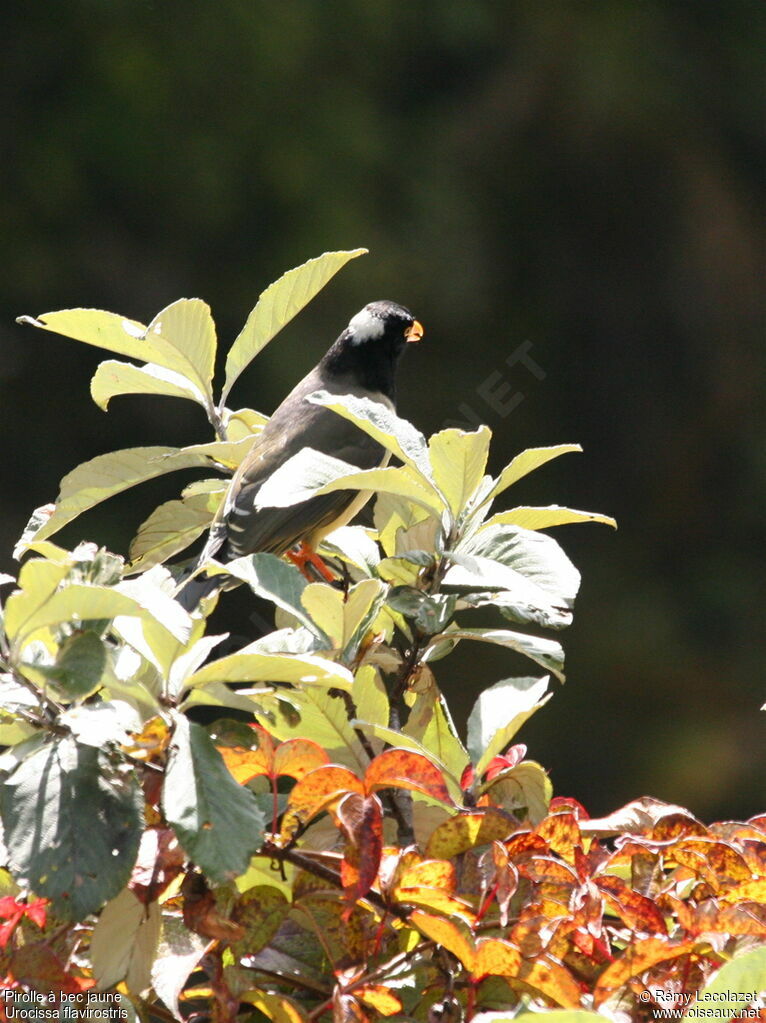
<point>370,346</point>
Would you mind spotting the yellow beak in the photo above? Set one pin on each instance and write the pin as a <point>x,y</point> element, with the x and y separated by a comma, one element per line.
<point>414,332</point>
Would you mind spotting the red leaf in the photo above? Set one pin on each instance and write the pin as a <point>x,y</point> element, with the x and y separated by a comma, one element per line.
<point>315,792</point>
<point>361,818</point>
<point>638,912</point>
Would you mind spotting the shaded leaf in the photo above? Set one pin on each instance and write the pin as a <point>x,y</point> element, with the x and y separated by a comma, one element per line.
<point>43,805</point>
<point>170,529</point>
<point>217,821</point>
<point>545,652</point>
<point>124,943</point>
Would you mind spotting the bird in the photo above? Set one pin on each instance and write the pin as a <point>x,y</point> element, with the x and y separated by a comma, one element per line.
<point>361,362</point>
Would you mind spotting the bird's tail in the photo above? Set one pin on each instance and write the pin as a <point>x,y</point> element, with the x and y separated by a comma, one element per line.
<point>193,591</point>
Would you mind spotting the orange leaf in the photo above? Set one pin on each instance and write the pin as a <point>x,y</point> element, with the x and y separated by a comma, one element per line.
<point>495,958</point>
<point>562,833</point>
<point>466,830</point>
<point>553,980</point>
<point>750,891</point>
<point>428,873</point>
<point>297,757</point>
<point>361,818</point>
<point>405,769</point>
<point>638,957</point>
<point>379,998</point>
<point>447,933</point>
<point>638,912</point>
<point>245,764</point>
<point>315,792</point>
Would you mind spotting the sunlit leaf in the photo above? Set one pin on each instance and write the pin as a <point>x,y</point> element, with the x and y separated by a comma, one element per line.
<point>638,957</point>
<point>107,475</point>
<point>458,460</point>
<point>311,473</point>
<point>96,327</point>
<point>543,518</point>
<point>498,714</point>
<point>403,768</point>
<point>545,652</point>
<point>179,952</point>
<point>467,830</point>
<point>450,934</point>
<point>278,304</point>
<point>383,425</point>
<point>256,667</point>
<point>525,786</point>
<point>526,462</point>
<point>742,975</point>
<point>113,378</point>
<point>184,333</point>
<point>315,792</point>
<point>170,528</point>
<point>272,578</point>
<point>278,1008</point>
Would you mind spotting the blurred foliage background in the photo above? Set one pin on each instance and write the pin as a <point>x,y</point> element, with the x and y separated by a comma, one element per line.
<point>581,178</point>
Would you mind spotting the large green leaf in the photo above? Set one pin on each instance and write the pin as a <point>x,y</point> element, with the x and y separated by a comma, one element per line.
<point>320,715</point>
<point>458,460</point>
<point>278,304</point>
<point>742,975</point>
<point>72,822</point>
<point>310,473</point>
<point>383,425</point>
<point>217,821</point>
<point>38,581</point>
<point>106,475</point>
<point>544,518</point>
<point>124,942</point>
<point>259,667</point>
<point>171,528</point>
<point>272,579</point>
<point>524,463</point>
<point>80,602</point>
<point>113,378</point>
<point>498,714</point>
<point>184,334</point>
<point>97,327</point>
<point>545,652</point>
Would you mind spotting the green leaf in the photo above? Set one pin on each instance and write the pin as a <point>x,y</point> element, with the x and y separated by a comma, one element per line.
<point>545,652</point>
<point>340,615</point>
<point>179,952</point>
<point>270,578</point>
<point>96,327</point>
<point>184,334</point>
<point>72,822</point>
<point>79,603</point>
<point>319,715</point>
<point>258,667</point>
<point>38,581</point>
<point>106,475</point>
<point>383,425</point>
<point>498,714</point>
<point>278,304</point>
<point>228,453</point>
<point>531,566</point>
<point>370,696</point>
<point>524,786</point>
<point>458,461</point>
<point>742,975</point>
<point>437,733</point>
<point>310,473</point>
<point>355,546</point>
<point>525,463</point>
<point>544,518</point>
<point>217,821</point>
<point>113,378</point>
<point>80,663</point>
<point>124,942</point>
<point>171,528</point>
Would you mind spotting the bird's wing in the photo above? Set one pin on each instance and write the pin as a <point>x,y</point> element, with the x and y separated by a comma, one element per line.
<point>295,425</point>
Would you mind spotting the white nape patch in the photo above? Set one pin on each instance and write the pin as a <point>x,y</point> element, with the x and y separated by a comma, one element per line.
<point>364,324</point>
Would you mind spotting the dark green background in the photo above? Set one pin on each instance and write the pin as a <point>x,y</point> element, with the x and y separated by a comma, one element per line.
<point>585,176</point>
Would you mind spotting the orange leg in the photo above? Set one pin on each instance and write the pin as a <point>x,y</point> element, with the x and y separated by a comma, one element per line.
<point>302,555</point>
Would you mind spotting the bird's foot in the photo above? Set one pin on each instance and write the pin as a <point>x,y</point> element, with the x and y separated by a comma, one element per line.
<point>309,563</point>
